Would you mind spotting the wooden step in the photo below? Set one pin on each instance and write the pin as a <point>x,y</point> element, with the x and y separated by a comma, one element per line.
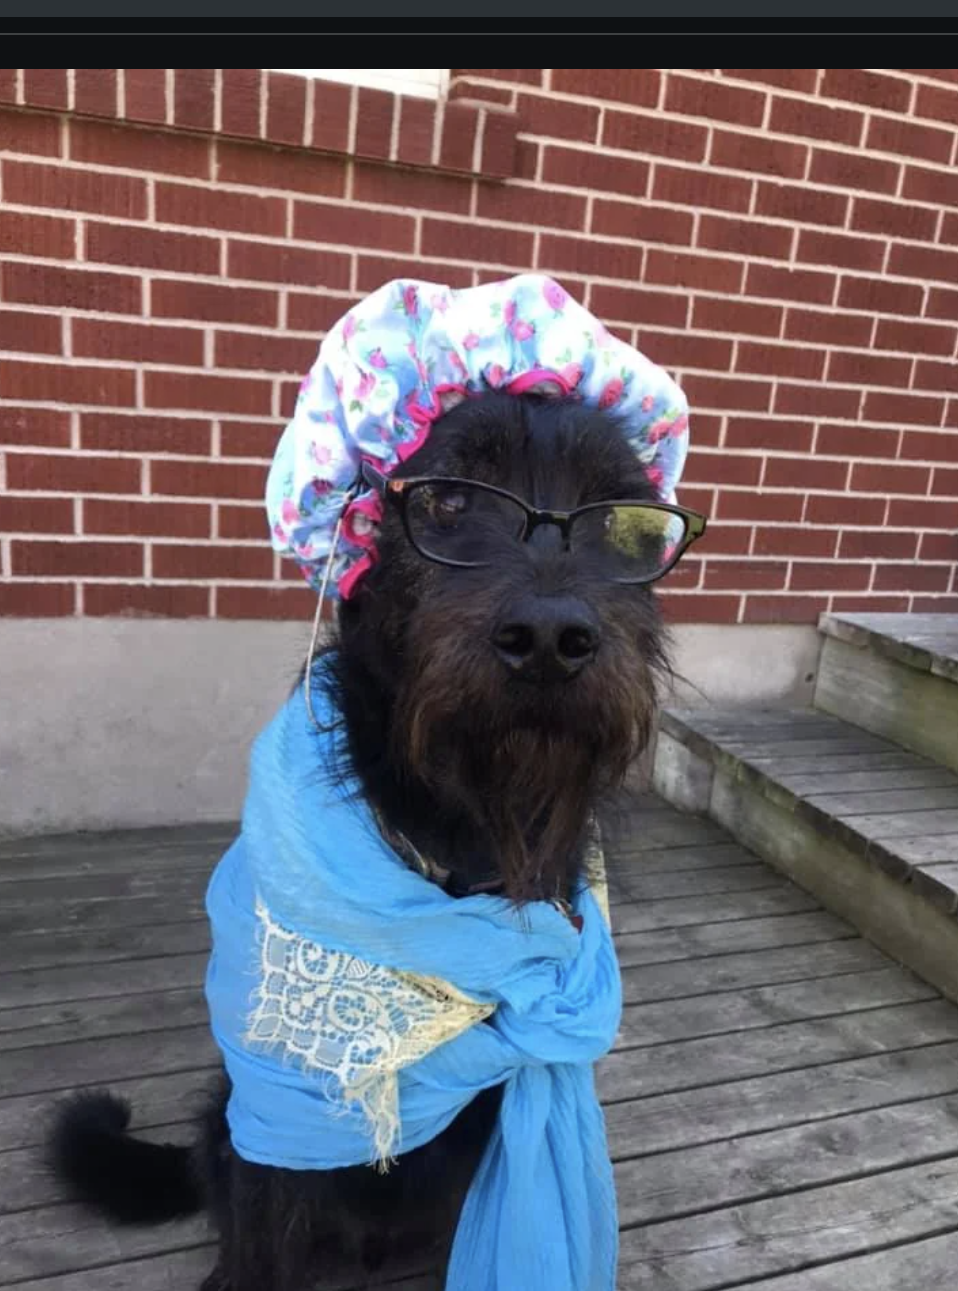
<point>869,828</point>
<point>895,675</point>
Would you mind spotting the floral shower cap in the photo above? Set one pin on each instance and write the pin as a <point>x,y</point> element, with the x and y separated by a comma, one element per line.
<point>412,350</point>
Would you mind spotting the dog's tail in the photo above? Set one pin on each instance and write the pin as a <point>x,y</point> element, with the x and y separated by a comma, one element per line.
<point>129,1180</point>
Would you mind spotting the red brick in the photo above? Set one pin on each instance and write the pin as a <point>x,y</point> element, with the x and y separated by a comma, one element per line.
<point>889,477</point>
<point>935,446</point>
<point>638,86</point>
<point>816,401</point>
<point>839,509</point>
<point>858,85</point>
<point>121,244</point>
<point>687,574</point>
<point>147,519</point>
<point>791,540</point>
<point>801,79</point>
<point>880,296</point>
<point>145,94</point>
<point>22,515</point>
<point>696,272</point>
<point>94,91</point>
<point>827,329</point>
<point>652,134</point>
<point>936,376</point>
<point>99,339</point>
<point>636,304</point>
<point>8,84</point>
<point>923,262</point>
<point>822,576</point>
<point>74,190</point>
<point>55,383</point>
<point>722,468</point>
<point>373,271</point>
<point>241,95</point>
<point>813,120</point>
<point>745,316</point>
<point>110,559</point>
<point>869,369</point>
<point>271,354</point>
<point>759,153</point>
<point>474,242</point>
<point>282,169</point>
<point>714,100</point>
<point>374,122</point>
<point>945,484</point>
<point>56,473</point>
<point>854,170</point>
<point>189,390</point>
<point>417,121</point>
<point>938,187</point>
<point>888,134</point>
<point>804,472</point>
<point>783,609</point>
<point>686,350</point>
<point>638,220</point>
<point>476,92</point>
<point>745,236</point>
<point>775,435</point>
<point>286,108</point>
<point>301,266</point>
<point>848,441</point>
<point>331,113</point>
<point>949,227</point>
<point>894,219</point>
<point>942,303</point>
<point>45,87</point>
<point>230,480</point>
<point>841,250</point>
<point>920,338</point>
<point>780,360</point>
<point>452,193</point>
<point>728,394</point>
<point>790,284</point>
<point>136,432</point>
<point>934,605</point>
<point>698,608</point>
<point>191,561</point>
<point>939,546</point>
<point>29,132</point>
<point>243,522</point>
<point>584,256</point>
<point>212,208</point>
<point>126,600</point>
<point>526,159</point>
<point>39,284</point>
<point>36,600</point>
<point>30,333</point>
<point>248,439</point>
<point>35,427</point>
<point>288,394</point>
<point>193,97</point>
<point>562,119</point>
<point>725,540</point>
<point>881,544</point>
<point>912,578</point>
<point>136,149</point>
<point>578,168</point>
<point>870,602</point>
<point>500,146</point>
<point>210,302</point>
<point>937,102</point>
<point>312,312</point>
<point>353,226</point>
<point>801,205</point>
<point>701,188</point>
<point>265,602</point>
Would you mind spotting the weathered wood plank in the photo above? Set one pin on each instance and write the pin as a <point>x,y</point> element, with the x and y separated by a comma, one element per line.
<point>868,802</point>
<point>41,951</point>
<point>915,1266</point>
<point>662,945</point>
<point>67,864</point>
<point>903,824</point>
<point>34,987</point>
<point>52,916</point>
<point>808,784</point>
<point>174,1271</point>
<point>673,859</point>
<point>738,906</point>
<point>659,885</point>
<point>171,886</point>
<point>60,1023</point>
<point>118,841</point>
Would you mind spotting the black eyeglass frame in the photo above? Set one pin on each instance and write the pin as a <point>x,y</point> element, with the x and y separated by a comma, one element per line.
<point>397,491</point>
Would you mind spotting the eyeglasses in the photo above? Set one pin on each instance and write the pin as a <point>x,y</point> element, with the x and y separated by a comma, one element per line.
<point>457,522</point>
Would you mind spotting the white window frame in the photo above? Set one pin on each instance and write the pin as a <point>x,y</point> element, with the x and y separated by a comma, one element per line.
<point>422,82</point>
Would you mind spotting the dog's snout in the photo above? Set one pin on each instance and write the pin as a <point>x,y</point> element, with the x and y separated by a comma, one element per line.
<point>547,638</point>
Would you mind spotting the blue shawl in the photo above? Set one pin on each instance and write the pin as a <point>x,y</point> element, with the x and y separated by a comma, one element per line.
<point>359,1008</point>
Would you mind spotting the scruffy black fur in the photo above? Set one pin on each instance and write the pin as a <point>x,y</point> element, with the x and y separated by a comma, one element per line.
<point>487,773</point>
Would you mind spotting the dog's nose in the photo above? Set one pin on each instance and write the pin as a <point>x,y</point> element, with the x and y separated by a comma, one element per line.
<point>547,638</point>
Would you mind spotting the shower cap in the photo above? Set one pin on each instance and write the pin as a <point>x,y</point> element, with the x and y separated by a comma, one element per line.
<point>410,351</point>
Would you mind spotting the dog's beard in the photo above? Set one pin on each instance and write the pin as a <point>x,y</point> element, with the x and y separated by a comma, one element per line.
<point>526,763</point>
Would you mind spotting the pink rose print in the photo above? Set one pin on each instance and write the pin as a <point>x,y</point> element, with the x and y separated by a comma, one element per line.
<point>655,476</point>
<point>657,431</point>
<point>320,454</point>
<point>305,384</point>
<point>572,373</point>
<point>522,330</point>
<point>378,359</point>
<point>349,327</point>
<point>612,393</point>
<point>509,313</point>
<point>339,387</point>
<point>290,512</point>
<point>495,374</point>
<point>471,341</point>
<point>555,296</point>
<point>458,364</point>
<point>367,384</point>
<point>439,302</point>
<point>679,426</point>
<point>410,301</point>
<point>647,403</point>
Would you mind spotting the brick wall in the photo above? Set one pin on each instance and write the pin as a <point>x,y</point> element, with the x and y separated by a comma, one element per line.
<point>174,242</point>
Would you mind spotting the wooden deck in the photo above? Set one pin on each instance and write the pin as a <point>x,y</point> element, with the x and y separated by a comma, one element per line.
<point>782,1104</point>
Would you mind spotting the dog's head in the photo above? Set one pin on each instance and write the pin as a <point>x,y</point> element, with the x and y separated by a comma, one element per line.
<point>518,650</point>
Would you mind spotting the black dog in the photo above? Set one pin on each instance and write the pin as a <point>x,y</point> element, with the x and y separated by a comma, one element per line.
<point>485,713</point>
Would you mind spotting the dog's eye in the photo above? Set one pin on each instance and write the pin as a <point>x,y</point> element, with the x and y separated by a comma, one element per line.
<point>445,507</point>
